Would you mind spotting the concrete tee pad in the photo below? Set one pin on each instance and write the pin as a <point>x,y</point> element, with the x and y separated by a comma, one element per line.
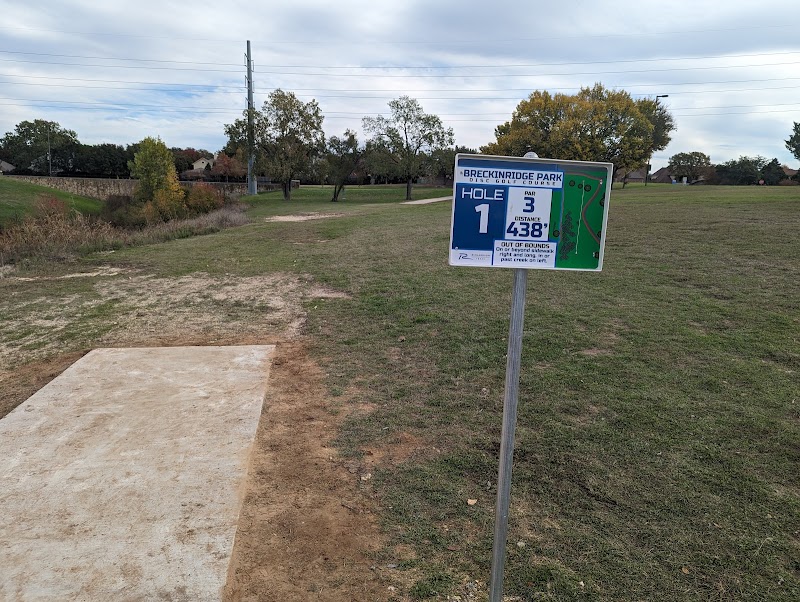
<point>123,478</point>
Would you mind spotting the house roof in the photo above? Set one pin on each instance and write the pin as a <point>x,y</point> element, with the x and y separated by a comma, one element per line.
<point>789,171</point>
<point>662,176</point>
<point>637,174</point>
<point>6,166</point>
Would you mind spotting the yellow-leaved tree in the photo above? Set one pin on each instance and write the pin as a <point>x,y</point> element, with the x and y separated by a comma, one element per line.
<point>158,193</point>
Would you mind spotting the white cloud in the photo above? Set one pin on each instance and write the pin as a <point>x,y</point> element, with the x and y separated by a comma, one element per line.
<point>344,53</point>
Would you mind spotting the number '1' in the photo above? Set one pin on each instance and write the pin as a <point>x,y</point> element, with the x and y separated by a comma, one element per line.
<point>483,228</point>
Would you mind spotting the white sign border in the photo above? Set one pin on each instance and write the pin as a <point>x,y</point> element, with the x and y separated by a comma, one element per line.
<point>609,167</point>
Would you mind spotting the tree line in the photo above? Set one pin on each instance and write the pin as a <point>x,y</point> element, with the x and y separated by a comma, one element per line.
<point>42,147</point>
<point>288,143</point>
<point>596,124</point>
<point>696,166</point>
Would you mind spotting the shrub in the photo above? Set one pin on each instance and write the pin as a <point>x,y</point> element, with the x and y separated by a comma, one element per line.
<point>171,202</point>
<point>54,236</point>
<point>167,204</point>
<point>203,198</point>
<point>47,204</point>
<point>120,211</point>
<point>59,236</point>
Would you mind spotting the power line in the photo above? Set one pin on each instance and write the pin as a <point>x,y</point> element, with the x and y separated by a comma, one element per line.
<point>49,105</point>
<point>110,58</point>
<point>371,42</point>
<point>504,66</point>
<point>221,86</point>
<point>331,114</point>
<point>114,81</point>
<point>407,67</point>
<point>219,89</point>
<point>148,67</point>
<point>495,75</point>
<point>401,76</point>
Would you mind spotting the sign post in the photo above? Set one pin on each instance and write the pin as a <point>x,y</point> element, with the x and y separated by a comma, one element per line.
<point>525,213</point>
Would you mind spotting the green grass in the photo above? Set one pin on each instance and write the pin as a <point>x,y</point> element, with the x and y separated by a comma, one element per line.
<point>658,439</point>
<point>18,199</point>
<point>317,198</point>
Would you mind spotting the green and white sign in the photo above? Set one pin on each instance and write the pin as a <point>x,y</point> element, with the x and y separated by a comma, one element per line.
<point>512,212</point>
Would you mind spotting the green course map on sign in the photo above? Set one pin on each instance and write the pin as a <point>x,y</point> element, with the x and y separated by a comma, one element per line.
<point>529,213</point>
<point>577,212</point>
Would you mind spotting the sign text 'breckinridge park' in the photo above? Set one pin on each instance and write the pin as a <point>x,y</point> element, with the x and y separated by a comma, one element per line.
<point>523,178</point>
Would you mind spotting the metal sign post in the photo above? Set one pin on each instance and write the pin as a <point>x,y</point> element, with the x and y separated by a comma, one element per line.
<point>525,213</point>
<point>507,442</point>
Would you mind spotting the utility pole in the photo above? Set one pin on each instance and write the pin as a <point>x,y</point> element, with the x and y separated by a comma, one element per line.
<point>252,188</point>
<point>49,154</point>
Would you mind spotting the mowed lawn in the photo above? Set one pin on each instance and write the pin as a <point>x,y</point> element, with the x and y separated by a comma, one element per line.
<point>18,199</point>
<point>658,442</point>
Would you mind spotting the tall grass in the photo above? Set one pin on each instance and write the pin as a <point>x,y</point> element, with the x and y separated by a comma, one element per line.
<point>56,235</point>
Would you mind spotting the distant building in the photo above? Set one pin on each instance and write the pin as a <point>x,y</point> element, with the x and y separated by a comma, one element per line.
<point>203,163</point>
<point>6,167</point>
<point>662,176</point>
<point>636,175</point>
<point>790,173</point>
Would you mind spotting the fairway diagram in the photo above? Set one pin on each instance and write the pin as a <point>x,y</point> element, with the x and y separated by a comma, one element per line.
<point>123,478</point>
<point>529,213</point>
<point>580,210</point>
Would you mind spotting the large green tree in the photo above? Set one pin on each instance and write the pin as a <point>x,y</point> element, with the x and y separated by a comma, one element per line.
<point>772,173</point>
<point>596,124</point>
<point>101,160</point>
<point>408,135</point>
<point>378,162</point>
<point>742,171</point>
<point>287,135</point>
<point>689,165</point>
<point>661,119</point>
<point>793,143</point>
<point>41,146</point>
<point>442,162</point>
<point>343,155</point>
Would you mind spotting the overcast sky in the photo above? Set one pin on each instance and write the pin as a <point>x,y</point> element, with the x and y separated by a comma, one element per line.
<point>119,71</point>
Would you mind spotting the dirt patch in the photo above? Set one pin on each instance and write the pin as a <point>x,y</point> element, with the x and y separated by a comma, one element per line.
<point>213,307</point>
<point>400,448</point>
<point>594,351</point>
<point>136,310</point>
<point>17,385</point>
<point>301,217</point>
<point>307,528</point>
<point>101,272</point>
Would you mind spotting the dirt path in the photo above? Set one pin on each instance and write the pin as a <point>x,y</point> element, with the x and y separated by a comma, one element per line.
<point>428,201</point>
<point>306,530</point>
